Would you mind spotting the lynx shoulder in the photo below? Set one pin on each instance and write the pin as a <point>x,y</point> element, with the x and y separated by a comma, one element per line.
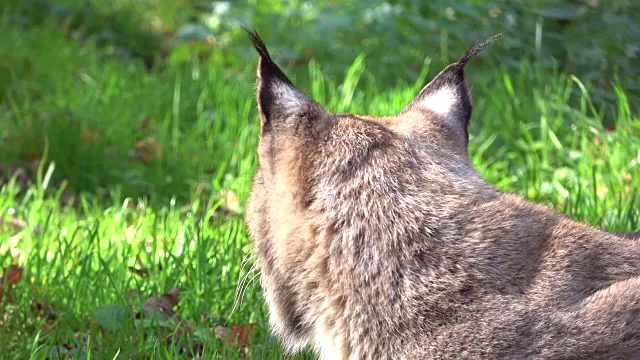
<point>377,239</point>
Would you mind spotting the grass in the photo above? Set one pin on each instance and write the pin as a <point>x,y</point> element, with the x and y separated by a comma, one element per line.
<point>138,178</point>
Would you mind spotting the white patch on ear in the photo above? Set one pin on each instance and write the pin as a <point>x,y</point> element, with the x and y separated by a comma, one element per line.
<point>441,102</point>
<point>288,96</point>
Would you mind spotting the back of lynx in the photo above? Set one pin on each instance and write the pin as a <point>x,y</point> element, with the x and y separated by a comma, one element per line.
<point>377,239</point>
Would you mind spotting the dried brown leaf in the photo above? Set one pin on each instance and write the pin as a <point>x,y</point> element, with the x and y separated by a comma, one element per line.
<point>221,332</point>
<point>240,335</point>
<point>10,275</point>
<point>236,336</point>
<point>146,150</point>
<point>141,271</point>
<point>164,303</point>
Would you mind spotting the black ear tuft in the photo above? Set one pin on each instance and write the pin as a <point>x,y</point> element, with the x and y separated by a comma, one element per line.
<point>475,50</point>
<point>277,97</point>
<point>447,96</point>
<point>267,68</point>
<point>258,44</point>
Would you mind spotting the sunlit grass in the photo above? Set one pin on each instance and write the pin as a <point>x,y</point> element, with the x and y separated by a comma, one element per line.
<point>78,111</point>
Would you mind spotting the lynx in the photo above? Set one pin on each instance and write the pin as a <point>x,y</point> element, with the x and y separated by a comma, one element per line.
<point>377,238</point>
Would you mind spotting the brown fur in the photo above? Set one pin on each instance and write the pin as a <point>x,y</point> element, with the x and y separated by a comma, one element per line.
<point>378,239</point>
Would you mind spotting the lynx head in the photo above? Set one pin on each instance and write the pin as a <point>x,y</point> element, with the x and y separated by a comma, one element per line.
<point>341,203</point>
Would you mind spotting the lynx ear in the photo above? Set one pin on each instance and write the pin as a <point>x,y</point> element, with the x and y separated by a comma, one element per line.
<point>447,96</point>
<point>277,97</point>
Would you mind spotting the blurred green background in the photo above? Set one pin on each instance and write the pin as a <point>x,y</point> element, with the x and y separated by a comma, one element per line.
<point>95,70</point>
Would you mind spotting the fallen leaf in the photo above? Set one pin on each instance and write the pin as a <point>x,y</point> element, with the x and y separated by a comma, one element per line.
<point>222,332</point>
<point>10,276</point>
<point>146,150</point>
<point>240,335</point>
<point>235,336</point>
<point>141,271</point>
<point>164,303</point>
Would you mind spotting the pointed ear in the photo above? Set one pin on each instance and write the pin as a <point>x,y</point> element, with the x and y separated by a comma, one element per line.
<point>277,98</point>
<point>447,97</point>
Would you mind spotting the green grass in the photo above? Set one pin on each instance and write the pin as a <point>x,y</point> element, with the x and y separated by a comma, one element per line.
<point>72,111</point>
